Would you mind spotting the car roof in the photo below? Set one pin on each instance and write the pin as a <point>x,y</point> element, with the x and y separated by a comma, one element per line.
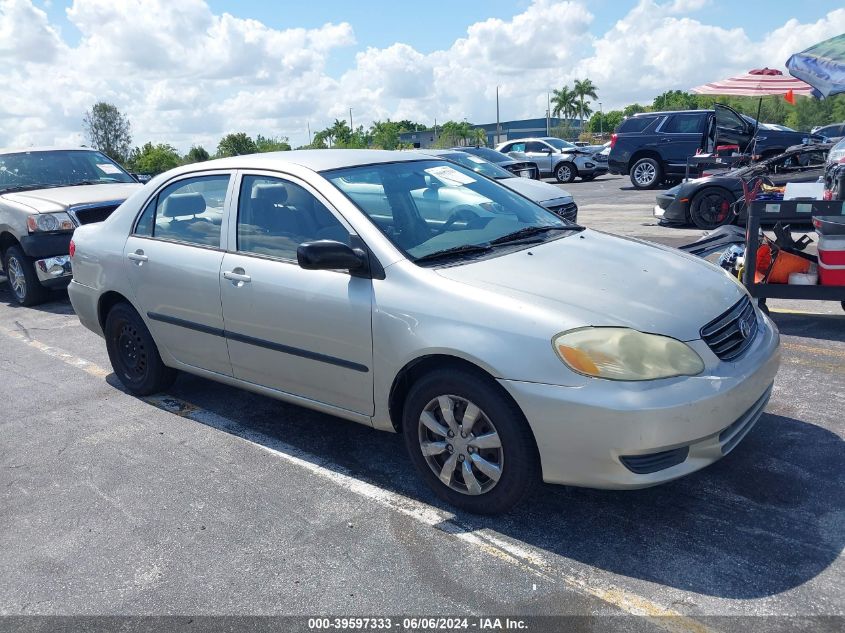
<point>700,111</point>
<point>46,148</point>
<point>313,159</point>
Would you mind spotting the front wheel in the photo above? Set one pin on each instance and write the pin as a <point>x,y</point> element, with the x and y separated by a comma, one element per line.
<point>469,442</point>
<point>133,353</point>
<point>646,173</point>
<point>712,207</point>
<point>565,172</point>
<point>20,271</point>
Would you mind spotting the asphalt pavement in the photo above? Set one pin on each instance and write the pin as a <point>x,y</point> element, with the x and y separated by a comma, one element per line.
<point>213,501</point>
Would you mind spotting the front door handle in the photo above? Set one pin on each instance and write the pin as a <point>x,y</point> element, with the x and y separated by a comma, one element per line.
<point>138,256</point>
<point>237,276</point>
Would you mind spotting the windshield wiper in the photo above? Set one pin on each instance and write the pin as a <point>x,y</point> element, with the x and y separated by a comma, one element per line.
<point>81,182</point>
<point>30,187</point>
<point>529,231</point>
<point>463,249</point>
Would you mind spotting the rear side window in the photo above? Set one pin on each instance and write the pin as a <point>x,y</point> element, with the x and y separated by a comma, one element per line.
<point>635,124</point>
<point>684,124</point>
<point>189,210</point>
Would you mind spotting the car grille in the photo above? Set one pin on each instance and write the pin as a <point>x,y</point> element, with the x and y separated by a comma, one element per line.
<point>568,211</point>
<point>654,462</point>
<point>88,214</point>
<point>730,334</point>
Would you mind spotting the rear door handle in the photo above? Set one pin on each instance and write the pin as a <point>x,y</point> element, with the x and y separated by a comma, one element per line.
<point>138,256</point>
<point>231,275</point>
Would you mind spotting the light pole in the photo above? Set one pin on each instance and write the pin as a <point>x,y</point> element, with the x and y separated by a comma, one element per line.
<point>601,122</point>
<point>548,114</point>
<point>498,128</point>
<point>350,119</point>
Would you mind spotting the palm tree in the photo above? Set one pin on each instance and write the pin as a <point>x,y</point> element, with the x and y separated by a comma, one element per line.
<point>584,88</point>
<point>563,103</point>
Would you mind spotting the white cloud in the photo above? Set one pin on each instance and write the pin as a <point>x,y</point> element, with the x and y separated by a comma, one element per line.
<point>186,75</point>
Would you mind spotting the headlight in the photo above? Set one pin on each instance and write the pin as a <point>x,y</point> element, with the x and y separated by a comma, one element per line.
<point>46,222</point>
<point>625,354</point>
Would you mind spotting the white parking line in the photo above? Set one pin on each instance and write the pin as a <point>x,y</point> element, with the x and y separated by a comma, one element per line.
<point>530,559</point>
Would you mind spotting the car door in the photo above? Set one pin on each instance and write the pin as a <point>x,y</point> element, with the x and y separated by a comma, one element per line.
<point>303,332</point>
<point>680,137</point>
<point>731,128</point>
<point>173,259</point>
<point>541,154</point>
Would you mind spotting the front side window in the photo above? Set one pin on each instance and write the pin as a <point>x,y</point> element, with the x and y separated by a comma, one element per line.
<point>58,168</point>
<point>427,207</point>
<point>189,210</point>
<point>275,216</point>
<point>535,147</point>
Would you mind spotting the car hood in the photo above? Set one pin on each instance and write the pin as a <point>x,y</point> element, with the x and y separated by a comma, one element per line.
<point>61,198</point>
<point>592,278</point>
<point>537,190</point>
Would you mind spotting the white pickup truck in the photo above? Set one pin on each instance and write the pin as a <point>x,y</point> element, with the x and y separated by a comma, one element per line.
<point>45,194</point>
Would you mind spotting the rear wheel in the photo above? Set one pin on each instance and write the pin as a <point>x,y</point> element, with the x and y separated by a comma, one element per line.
<point>712,207</point>
<point>133,353</point>
<point>566,172</point>
<point>646,173</point>
<point>20,271</point>
<point>469,442</point>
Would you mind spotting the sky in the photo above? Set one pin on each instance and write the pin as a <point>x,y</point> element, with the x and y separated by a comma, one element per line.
<point>186,72</point>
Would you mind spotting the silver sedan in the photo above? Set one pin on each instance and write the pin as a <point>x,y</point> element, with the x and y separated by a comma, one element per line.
<point>506,344</point>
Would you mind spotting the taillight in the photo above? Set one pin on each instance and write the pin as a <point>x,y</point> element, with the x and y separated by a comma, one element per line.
<point>72,248</point>
<point>613,138</point>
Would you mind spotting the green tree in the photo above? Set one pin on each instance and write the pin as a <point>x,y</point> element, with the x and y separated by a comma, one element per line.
<point>108,130</point>
<point>478,136</point>
<point>385,134</point>
<point>605,122</point>
<point>564,103</point>
<point>453,133</point>
<point>197,154</point>
<point>634,108</point>
<point>154,159</point>
<point>675,100</point>
<point>236,144</point>
<point>272,144</point>
<point>584,88</point>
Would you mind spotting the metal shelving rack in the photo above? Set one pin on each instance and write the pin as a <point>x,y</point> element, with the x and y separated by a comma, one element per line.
<point>786,212</point>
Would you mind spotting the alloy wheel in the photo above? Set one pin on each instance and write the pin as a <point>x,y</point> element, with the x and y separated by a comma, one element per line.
<point>17,277</point>
<point>461,445</point>
<point>644,174</point>
<point>564,173</point>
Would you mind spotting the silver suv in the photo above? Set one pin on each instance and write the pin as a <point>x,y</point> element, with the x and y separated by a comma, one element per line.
<point>559,158</point>
<point>44,195</point>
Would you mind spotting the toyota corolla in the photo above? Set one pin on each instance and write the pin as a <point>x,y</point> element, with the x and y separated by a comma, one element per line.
<point>506,345</point>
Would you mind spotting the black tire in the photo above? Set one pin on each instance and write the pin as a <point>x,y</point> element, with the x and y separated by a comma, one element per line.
<point>646,173</point>
<point>133,353</point>
<point>23,282</point>
<point>565,172</point>
<point>712,207</point>
<point>520,465</point>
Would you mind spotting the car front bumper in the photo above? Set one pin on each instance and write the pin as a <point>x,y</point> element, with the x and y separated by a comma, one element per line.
<point>54,272</point>
<point>671,209</point>
<point>584,434</point>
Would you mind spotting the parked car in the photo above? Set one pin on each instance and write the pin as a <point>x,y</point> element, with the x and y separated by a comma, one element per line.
<point>708,202</point>
<point>555,199</point>
<point>652,146</point>
<point>832,132</point>
<point>519,166</point>
<point>837,152</point>
<point>505,349</point>
<point>559,158</point>
<point>44,195</point>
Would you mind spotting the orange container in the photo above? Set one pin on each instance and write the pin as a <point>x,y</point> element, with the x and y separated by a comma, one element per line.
<point>785,263</point>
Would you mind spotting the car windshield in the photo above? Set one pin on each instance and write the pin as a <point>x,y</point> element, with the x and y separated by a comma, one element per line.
<point>490,154</point>
<point>478,165</point>
<point>58,168</point>
<point>559,143</point>
<point>432,208</point>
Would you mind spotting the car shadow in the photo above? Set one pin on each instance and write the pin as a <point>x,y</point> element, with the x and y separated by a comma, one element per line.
<point>57,300</point>
<point>827,327</point>
<point>764,520</point>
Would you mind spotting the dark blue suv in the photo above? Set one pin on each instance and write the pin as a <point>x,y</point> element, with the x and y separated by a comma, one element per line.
<point>652,146</point>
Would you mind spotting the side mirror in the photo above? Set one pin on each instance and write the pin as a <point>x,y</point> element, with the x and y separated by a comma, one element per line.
<point>546,150</point>
<point>330,255</point>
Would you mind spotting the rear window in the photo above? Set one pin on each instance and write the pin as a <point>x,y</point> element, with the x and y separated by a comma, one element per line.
<point>635,124</point>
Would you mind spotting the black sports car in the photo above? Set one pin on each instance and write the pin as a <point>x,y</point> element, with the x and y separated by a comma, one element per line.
<point>708,201</point>
<point>524,168</point>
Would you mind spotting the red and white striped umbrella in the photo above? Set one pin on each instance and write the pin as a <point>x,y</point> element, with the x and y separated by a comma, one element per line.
<point>756,83</point>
